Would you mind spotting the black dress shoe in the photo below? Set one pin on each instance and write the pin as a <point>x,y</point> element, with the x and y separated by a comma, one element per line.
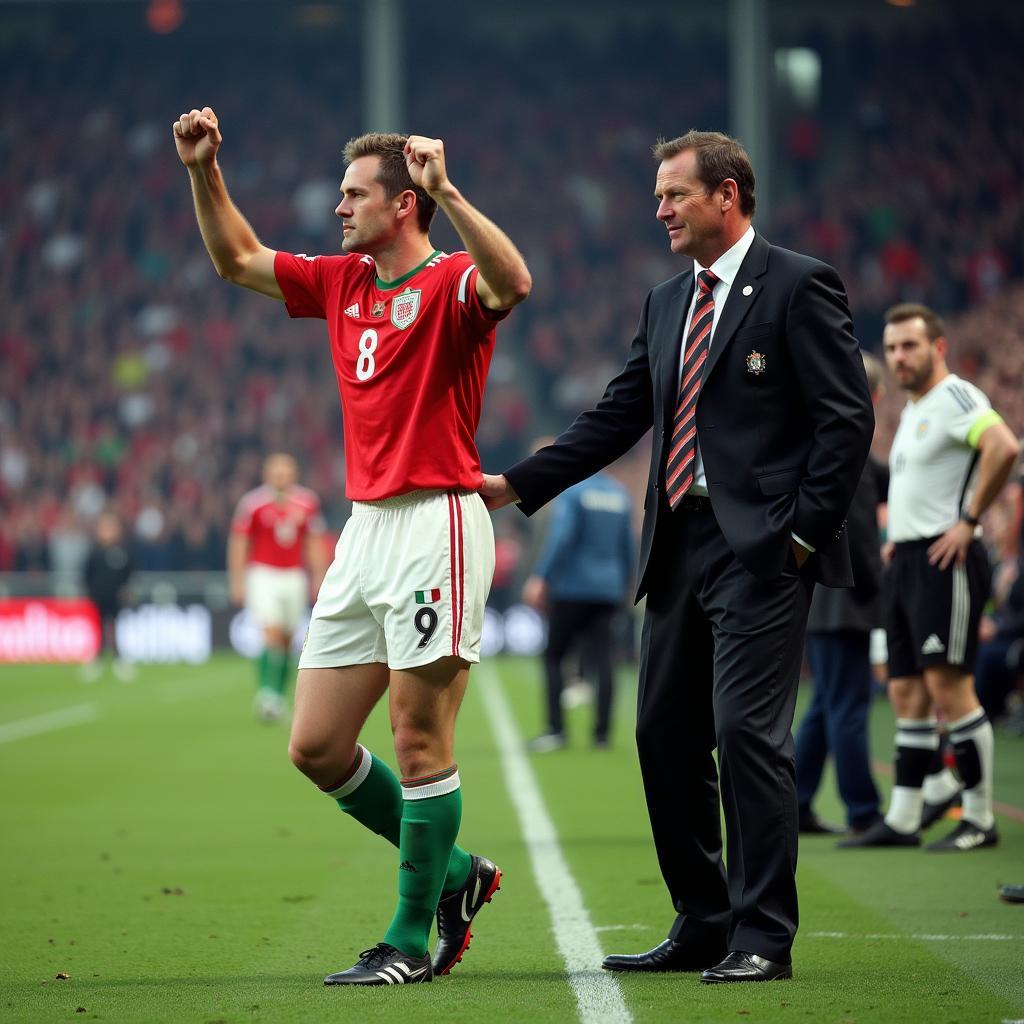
<point>669,956</point>
<point>739,966</point>
<point>812,825</point>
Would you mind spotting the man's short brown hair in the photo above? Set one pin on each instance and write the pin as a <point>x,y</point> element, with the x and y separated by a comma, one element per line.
<point>719,156</point>
<point>933,325</point>
<point>393,172</point>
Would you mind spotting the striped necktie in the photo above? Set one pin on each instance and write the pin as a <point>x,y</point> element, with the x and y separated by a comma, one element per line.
<point>679,465</point>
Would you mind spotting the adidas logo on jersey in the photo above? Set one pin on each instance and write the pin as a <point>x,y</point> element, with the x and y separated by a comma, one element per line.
<point>933,645</point>
<point>407,865</point>
<point>352,310</point>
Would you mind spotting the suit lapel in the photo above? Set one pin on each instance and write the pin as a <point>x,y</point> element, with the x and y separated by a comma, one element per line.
<point>675,321</point>
<point>742,293</point>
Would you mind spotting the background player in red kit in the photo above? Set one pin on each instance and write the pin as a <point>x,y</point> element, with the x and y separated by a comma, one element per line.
<point>276,534</point>
<point>401,607</point>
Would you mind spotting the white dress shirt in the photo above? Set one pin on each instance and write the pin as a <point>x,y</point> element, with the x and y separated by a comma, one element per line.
<point>725,268</point>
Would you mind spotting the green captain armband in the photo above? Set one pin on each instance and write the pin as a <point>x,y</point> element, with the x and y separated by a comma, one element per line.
<point>981,424</point>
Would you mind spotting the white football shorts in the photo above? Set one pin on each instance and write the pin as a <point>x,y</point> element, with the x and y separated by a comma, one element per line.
<point>408,583</point>
<point>276,598</point>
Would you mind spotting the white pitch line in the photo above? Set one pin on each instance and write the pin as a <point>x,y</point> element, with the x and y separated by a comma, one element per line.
<point>920,936</point>
<point>50,721</point>
<point>597,994</point>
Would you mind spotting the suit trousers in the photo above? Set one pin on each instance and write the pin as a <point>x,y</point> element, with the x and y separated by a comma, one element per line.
<point>721,654</point>
<point>588,623</point>
<point>837,721</point>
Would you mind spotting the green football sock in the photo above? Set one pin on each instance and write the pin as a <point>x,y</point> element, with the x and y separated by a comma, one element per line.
<point>373,796</point>
<point>263,670</point>
<point>277,669</point>
<point>429,826</point>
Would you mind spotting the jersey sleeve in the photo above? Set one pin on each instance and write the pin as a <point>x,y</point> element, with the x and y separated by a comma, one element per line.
<point>968,413</point>
<point>241,521</point>
<point>466,305</point>
<point>307,282</point>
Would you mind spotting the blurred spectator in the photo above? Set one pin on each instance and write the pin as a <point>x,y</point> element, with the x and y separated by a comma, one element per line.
<point>1000,664</point>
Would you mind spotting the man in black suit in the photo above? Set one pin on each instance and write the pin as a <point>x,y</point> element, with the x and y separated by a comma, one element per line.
<point>744,511</point>
<point>838,651</point>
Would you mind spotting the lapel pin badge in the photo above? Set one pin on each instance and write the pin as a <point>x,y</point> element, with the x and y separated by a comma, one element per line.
<point>755,364</point>
<point>748,289</point>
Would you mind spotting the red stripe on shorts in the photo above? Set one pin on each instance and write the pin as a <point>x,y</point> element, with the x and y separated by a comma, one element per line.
<point>451,559</point>
<point>462,574</point>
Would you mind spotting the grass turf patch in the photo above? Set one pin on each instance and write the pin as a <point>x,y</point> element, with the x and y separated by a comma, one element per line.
<point>167,857</point>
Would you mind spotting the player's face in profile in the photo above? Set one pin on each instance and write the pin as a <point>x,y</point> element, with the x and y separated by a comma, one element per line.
<point>367,215</point>
<point>691,216</point>
<point>909,353</point>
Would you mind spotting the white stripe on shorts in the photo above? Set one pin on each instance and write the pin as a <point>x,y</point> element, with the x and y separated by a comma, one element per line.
<point>959,616</point>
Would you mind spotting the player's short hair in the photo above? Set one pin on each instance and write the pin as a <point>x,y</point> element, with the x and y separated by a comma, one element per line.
<point>933,324</point>
<point>393,172</point>
<point>719,156</point>
<point>873,371</point>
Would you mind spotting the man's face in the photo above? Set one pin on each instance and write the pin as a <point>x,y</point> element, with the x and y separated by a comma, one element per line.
<point>280,474</point>
<point>693,218</point>
<point>909,353</point>
<point>108,530</point>
<point>367,215</point>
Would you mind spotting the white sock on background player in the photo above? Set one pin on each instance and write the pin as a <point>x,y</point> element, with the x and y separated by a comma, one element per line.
<point>917,739</point>
<point>973,746</point>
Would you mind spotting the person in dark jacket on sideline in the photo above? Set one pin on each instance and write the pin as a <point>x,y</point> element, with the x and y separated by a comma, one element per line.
<point>581,579</point>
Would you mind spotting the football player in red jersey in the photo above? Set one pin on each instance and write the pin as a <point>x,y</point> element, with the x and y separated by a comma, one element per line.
<point>276,534</point>
<point>412,332</point>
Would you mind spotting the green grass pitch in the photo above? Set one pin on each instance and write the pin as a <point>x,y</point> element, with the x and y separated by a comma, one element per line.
<point>157,847</point>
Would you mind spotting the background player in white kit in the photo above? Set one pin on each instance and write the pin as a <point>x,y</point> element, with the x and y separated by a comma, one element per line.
<point>277,534</point>
<point>401,608</point>
<point>950,458</point>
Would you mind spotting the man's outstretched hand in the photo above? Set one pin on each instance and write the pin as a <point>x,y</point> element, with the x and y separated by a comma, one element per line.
<point>497,492</point>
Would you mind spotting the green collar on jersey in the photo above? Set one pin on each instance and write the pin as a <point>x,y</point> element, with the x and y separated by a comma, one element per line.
<point>387,285</point>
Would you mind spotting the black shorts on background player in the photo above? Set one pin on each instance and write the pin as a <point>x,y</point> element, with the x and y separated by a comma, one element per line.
<point>932,614</point>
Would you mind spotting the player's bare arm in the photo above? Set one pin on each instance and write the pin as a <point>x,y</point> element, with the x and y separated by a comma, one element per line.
<point>502,280</point>
<point>231,242</point>
<point>238,553</point>
<point>999,451</point>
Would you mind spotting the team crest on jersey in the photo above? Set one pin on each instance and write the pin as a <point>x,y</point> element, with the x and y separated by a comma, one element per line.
<point>378,309</point>
<point>404,308</point>
<point>285,532</point>
<point>922,429</point>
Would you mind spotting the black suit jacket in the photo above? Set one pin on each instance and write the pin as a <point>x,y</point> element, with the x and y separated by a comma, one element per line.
<point>783,449</point>
<point>859,609</point>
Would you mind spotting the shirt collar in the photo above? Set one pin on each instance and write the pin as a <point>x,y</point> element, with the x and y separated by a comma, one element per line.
<point>727,266</point>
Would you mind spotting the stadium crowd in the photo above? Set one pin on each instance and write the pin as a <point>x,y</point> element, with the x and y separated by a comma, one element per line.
<point>132,377</point>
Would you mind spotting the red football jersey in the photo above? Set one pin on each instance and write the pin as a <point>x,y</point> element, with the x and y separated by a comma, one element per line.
<point>277,531</point>
<point>411,357</point>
